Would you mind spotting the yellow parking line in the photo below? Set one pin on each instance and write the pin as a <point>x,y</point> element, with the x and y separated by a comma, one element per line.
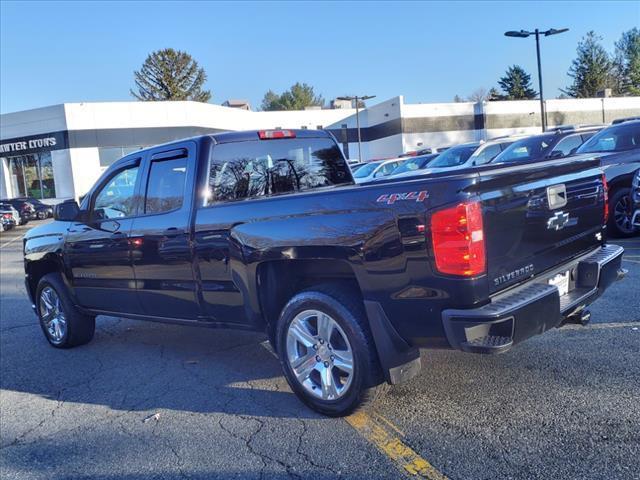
<point>389,444</point>
<point>388,422</point>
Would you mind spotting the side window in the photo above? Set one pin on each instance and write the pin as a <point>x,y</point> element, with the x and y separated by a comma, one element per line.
<point>270,167</point>
<point>116,198</point>
<point>565,146</point>
<point>165,185</point>
<point>488,154</point>
<point>587,136</point>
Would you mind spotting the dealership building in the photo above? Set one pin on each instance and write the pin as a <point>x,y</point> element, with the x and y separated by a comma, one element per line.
<point>58,152</point>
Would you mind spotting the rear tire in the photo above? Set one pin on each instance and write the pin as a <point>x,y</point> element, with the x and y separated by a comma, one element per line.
<point>332,323</point>
<point>62,323</point>
<point>619,224</point>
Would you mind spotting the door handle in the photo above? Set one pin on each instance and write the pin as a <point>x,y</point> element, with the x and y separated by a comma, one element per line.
<point>118,235</point>
<point>171,232</point>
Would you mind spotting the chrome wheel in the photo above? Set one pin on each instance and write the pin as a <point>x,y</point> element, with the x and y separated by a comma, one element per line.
<point>319,354</point>
<point>622,214</point>
<point>52,315</point>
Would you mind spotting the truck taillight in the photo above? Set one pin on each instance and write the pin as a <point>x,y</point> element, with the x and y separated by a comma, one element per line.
<point>605,187</point>
<point>273,134</point>
<point>458,240</point>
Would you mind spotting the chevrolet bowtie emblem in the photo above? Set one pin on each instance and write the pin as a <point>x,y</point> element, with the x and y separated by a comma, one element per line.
<point>558,221</point>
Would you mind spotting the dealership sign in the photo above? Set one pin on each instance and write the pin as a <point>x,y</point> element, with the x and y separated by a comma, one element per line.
<point>33,144</point>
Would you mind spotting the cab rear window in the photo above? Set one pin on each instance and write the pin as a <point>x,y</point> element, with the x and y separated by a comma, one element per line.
<point>262,168</point>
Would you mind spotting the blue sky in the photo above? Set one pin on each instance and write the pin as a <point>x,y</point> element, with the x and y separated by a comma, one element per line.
<point>56,52</point>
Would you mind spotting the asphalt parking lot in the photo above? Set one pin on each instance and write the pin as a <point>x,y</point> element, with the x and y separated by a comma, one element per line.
<point>147,400</point>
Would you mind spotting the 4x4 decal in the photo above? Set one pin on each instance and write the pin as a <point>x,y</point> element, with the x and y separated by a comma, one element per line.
<point>391,198</point>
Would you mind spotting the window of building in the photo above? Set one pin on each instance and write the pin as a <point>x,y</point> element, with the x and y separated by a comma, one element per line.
<point>32,175</point>
<point>165,186</point>
<point>116,199</point>
<point>261,168</point>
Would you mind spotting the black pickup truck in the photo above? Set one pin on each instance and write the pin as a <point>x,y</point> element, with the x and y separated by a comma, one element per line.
<point>266,231</point>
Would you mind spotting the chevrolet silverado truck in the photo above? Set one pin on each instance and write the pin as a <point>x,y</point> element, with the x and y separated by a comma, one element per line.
<point>267,231</point>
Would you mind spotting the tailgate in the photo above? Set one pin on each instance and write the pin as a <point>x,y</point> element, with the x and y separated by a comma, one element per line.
<point>539,216</point>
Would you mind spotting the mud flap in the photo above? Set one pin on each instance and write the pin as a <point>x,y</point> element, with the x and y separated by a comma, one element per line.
<point>400,362</point>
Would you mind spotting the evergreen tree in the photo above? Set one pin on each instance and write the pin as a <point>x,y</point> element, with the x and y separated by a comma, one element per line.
<point>591,70</point>
<point>516,84</point>
<point>170,75</point>
<point>626,63</point>
<point>494,95</point>
<point>299,96</point>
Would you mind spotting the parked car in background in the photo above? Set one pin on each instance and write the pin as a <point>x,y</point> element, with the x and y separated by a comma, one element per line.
<point>42,209</point>
<point>26,209</point>
<point>376,170</point>
<point>618,148</point>
<point>356,166</point>
<point>9,216</point>
<point>560,143</point>
<point>469,154</point>
<point>635,200</point>
<point>413,166</point>
<point>622,120</point>
<point>420,152</point>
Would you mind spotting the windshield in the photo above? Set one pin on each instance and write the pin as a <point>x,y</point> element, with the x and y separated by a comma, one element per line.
<point>366,170</point>
<point>453,156</point>
<point>526,149</point>
<point>413,164</point>
<point>614,139</point>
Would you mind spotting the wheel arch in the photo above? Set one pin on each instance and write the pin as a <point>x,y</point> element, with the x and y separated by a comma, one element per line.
<point>279,280</point>
<point>36,269</point>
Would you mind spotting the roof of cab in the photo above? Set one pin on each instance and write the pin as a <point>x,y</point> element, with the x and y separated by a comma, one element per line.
<point>224,137</point>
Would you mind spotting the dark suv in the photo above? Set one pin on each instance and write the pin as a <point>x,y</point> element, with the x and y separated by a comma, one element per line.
<point>635,200</point>
<point>550,145</point>
<point>42,209</point>
<point>618,148</point>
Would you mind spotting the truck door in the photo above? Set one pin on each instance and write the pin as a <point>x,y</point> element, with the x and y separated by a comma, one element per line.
<point>97,250</point>
<point>161,237</point>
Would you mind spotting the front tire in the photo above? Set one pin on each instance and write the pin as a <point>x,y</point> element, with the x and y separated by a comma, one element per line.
<point>327,352</point>
<point>619,224</point>
<point>62,323</point>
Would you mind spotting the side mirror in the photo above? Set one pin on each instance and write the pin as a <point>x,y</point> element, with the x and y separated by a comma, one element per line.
<point>66,211</point>
<point>556,154</point>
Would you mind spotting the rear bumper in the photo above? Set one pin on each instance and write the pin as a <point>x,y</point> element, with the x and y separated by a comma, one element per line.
<point>534,307</point>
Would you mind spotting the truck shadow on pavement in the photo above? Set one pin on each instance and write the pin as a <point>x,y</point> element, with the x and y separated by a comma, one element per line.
<point>141,366</point>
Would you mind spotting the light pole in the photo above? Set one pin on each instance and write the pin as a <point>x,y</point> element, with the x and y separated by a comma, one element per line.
<point>357,99</point>
<point>537,33</point>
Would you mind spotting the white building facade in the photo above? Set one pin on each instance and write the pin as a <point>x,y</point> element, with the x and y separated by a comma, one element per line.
<point>58,152</point>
